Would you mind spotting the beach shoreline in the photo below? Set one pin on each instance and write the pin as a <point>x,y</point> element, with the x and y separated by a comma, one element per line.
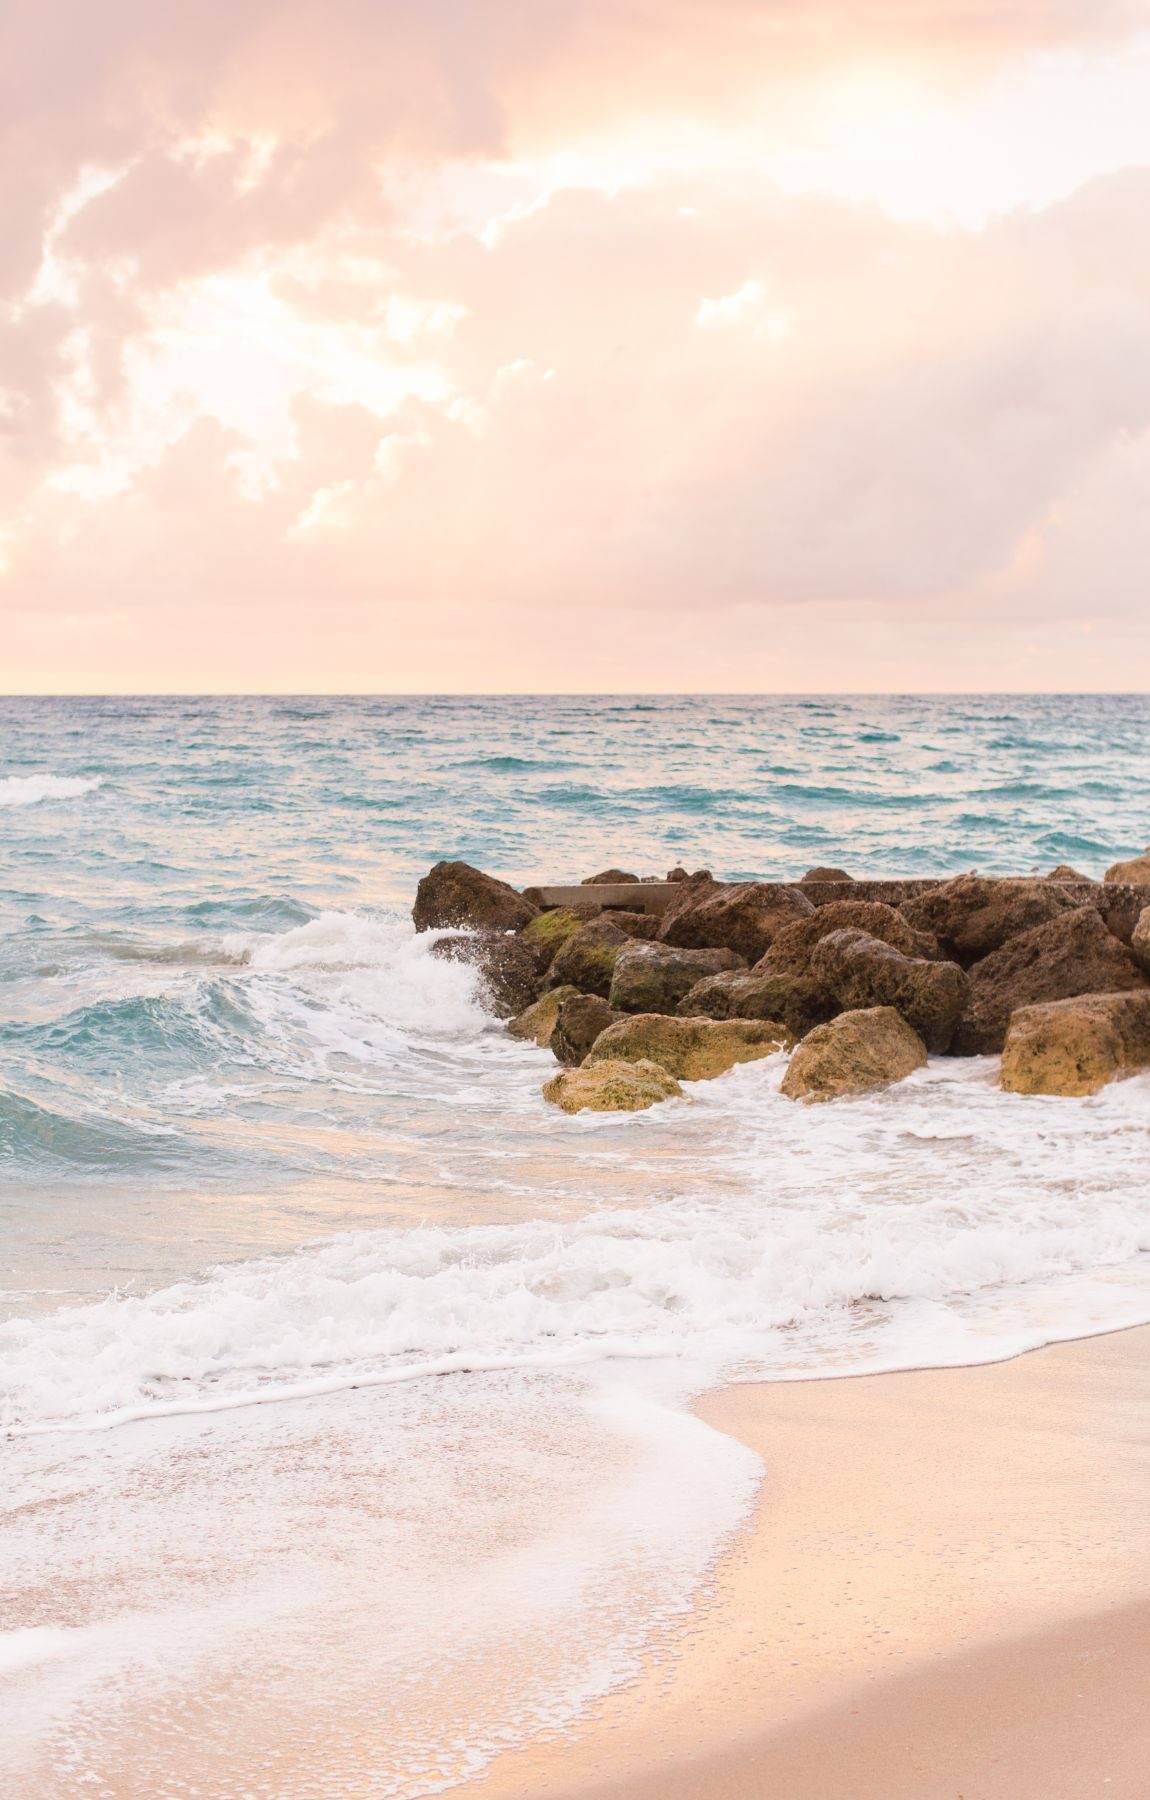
<point>945,1590</point>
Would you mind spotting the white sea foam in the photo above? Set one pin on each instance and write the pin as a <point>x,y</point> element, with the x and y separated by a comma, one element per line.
<point>891,1230</point>
<point>374,968</point>
<point>412,1578</point>
<point>29,790</point>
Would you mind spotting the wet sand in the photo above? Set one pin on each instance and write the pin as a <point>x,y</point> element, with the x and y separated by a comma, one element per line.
<point>944,1595</point>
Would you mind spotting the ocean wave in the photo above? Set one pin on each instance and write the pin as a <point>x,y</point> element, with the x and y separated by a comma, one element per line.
<point>341,985</point>
<point>143,1032</point>
<point>123,946</point>
<point>257,912</point>
<point>30,790</point>
<point>511,765</point>
<point>38,1135</point>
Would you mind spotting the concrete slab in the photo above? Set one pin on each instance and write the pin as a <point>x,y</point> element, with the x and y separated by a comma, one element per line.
<point>631,896</point>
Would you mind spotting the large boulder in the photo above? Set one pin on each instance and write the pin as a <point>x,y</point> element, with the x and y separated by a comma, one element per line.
<point>1076,1046</point>
<point>509,978</point>
<point>1136,871</point>
<point>609,878</point>
<point>691,1049</point>
<point>587,959</point>
<point>654,977</point>
<point>548,931</point>
<point>794,1000</point>
<point>1072,954</point>
<point>581,1018</point>
<point>744,916</point>
<point>856,1053</point>
<point>790,954</point>
<point>1066,872</point>
<point>863,972</point>
<point>827,874</point>
<point>1140,940</point>
<point>537,1022</point>
<point>975,914</point>
<point>453,893</point>
<point>611,1087</point>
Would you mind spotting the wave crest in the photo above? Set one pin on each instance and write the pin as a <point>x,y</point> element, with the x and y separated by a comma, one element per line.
<point>29,790</point>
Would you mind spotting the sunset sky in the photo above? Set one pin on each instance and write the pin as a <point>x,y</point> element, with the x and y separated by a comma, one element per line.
<point>391,345</point>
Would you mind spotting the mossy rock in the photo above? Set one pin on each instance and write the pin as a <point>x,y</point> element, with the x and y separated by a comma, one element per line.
<point>587,958</point>
<point>547,933</point>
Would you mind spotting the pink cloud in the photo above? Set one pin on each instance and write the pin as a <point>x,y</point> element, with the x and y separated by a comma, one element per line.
<point>256,429</point>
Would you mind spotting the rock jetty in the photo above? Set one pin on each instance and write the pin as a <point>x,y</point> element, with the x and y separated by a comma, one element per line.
<point>638,983</point>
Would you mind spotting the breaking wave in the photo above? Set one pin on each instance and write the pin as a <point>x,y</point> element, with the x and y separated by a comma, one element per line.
<point>29,790</point>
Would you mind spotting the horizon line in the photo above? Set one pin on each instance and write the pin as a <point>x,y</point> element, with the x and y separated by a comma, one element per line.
<point>575,694</point>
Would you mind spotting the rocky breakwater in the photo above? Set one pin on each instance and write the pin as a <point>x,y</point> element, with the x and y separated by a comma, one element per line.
<point>867,978</point>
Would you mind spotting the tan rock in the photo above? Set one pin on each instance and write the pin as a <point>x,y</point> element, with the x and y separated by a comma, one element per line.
<point>580,1020</point>
<point>537,1022</point>
<point>828,874</point>
<point>1064,872</point>
<point>1137,870</point>
<point>974,915</point>
<point>608,878</point>
<point>691,1049</point>
<point>1140,940</point>
<point>1073,954</point>
<point>454,893</point>
<point>861,972</point>
<point>609,1086</point>
<point>856,1053</point>
<point>654,977</point>
<point>1076,1046</point>
<point>744,916</point>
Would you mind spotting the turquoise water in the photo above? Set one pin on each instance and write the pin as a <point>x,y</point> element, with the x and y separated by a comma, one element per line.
<point>229,809</point>
<point>149,848</point>
<point>345,1378</point>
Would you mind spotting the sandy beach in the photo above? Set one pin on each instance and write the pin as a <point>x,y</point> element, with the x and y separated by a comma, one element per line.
<point>944,1595</point>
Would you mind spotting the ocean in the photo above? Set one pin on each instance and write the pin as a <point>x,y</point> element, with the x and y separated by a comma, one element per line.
<point>346,1386</point>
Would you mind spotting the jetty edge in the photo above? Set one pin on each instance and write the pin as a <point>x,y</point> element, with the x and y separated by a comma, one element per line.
<point>1049,972</point>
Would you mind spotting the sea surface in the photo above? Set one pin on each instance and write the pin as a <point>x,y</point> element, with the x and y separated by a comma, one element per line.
<point>344,1385</point>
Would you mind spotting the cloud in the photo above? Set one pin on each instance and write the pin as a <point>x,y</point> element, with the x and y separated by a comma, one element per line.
<point>346,345</point>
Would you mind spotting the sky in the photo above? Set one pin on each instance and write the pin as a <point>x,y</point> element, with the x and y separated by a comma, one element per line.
<point>574,345</point>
